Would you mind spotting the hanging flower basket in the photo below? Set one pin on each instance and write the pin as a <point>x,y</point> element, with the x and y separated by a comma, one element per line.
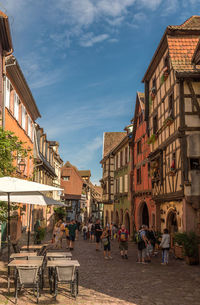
<point>168,121</point>
<point>153,93</point>
<point>164,76</point>
<point>152,139</point>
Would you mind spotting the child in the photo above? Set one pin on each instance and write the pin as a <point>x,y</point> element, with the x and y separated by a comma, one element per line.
<point>165,245</point>
<point>105,238</point>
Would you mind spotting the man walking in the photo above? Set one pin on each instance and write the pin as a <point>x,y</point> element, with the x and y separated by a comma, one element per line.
<point>72,233</point>
<point>98,232</point>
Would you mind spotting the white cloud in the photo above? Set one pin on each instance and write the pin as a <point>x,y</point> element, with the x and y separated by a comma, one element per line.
<point>86,117</point>
<point>149,4</point>
<point>88,150</point>
<point>89,39</point>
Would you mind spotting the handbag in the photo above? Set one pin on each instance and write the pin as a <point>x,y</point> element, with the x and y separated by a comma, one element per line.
<point>105,241</point>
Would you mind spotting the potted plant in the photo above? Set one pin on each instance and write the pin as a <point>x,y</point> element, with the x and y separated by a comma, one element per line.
<point>165,74</point>
<point>168,121</point>
<point>153,93</point>
<point>191,248</point>
<point>179,239</point>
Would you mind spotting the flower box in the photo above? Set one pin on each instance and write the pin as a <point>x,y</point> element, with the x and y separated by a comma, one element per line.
<point>152,139</point>
<point>165,74</point>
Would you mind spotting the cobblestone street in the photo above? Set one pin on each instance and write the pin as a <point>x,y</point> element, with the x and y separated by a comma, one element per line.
<point>120,281</point>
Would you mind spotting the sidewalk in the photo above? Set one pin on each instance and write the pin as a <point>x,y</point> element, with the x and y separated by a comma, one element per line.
<point>119,282</point>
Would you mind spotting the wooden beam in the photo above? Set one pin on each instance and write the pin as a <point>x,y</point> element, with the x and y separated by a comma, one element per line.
<point>194,98</point>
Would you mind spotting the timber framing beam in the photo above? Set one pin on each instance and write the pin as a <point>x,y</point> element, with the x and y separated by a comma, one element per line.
<point>194,98</point>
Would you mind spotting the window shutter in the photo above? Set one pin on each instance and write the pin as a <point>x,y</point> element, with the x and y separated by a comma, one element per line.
<point>7,96</point>
<point>23,117</point>
<point>120,185</point>
<point>118,160</point>
<point>126,183</point>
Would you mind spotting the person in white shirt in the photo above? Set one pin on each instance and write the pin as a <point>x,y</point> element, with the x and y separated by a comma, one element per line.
<point>85,230</point>
<point>165,245</point>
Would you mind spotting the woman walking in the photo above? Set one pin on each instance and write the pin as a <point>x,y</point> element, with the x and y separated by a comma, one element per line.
<point>56,234</point>
<point>105,238</point>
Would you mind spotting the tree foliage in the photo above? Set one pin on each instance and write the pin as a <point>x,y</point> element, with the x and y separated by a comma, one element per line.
<point>10,148</point>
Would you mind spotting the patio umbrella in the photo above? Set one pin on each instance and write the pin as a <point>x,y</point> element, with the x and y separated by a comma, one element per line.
<point>12,187</point>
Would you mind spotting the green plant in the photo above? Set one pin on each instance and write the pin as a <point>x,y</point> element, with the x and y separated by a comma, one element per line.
<point>191,245</point>
<point>60,213</point>
<point>41,233</point>
<point>180,238</point>
<point>152,139</point>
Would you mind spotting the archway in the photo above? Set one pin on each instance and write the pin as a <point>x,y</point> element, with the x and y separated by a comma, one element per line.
<point>117,218</point>
<point>127,222</point>
<point>144,214</point>
<point>172,224</point>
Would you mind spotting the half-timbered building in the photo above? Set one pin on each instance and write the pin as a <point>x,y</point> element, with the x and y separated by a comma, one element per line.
<point>144,206</point>
<point>172,112</point>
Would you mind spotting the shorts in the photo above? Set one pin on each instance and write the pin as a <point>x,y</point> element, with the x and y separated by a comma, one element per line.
<point>142,253</point>
<point>107,247</point>
<point>98,238</point>
<point>123,245</point>
<point>91,233</point>
<point>72,237</point>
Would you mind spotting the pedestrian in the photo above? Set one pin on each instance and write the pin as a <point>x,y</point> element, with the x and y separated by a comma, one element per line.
<point>105,238</point>
<point>56,234</point>
<point>123,236</point>
<point>142,244</point>
<point>92,232</point>
<point>89,231</point>
<point>152,237</point>
<point>149,247</point>
<point>67,234</point>
<point>72,233</point>
<point>62,231</point>
<point>98,232</point>
<point>165,245</point>
<point>84,231</point>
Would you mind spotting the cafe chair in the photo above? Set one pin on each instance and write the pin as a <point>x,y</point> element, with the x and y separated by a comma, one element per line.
<point>66,275</point>
<point>27,278</point>
<point>41,269</point>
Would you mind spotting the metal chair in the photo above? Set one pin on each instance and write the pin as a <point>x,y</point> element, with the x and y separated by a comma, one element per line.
<point>41,269</point>
<point>66,275</point>
<point>27,278</point>
<point>59,258</point>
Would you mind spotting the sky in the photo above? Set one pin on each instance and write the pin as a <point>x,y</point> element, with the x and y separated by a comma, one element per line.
<point>84,61</point>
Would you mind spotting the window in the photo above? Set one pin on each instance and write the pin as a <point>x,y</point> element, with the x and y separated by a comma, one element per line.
<point>7,96</point>
<point>166,63</point>
<point>195,164</point>
<point>29,127</point>
<point>121,158</point>
<point>126,155</point>
<point>23,117</point>
<point>139,147</point>
<point>171,106</point>
<point>154,89</point>
<point>155,123</point>
<point>118,163</point>
<point>125,183</point>
<point>121,184</point>
<point>139,176</point>
<point>140,118</point>
<point>66,178</point>
<point>16,106</point>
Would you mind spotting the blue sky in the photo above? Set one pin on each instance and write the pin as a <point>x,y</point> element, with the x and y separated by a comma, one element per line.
<point>84,61</point>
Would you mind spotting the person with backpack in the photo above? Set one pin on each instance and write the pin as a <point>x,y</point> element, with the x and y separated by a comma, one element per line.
<point>105,238</point>
<point>98,232</point>
<point>85,230</point>
<point>142,244</point>
<point>123,236</point>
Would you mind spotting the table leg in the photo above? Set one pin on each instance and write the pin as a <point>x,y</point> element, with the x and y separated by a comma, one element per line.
<point>77,280</point>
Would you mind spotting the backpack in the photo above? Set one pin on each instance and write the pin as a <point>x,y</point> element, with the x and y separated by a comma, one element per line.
<point>123,236</point>
<point>138,237</point>
<point>84,229</point>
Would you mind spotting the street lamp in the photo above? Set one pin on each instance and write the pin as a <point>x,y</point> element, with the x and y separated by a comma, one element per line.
<point>22,166</point>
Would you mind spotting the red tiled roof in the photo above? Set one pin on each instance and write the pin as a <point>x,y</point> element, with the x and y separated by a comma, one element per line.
<point>181,51</point>
<point>192,23</point>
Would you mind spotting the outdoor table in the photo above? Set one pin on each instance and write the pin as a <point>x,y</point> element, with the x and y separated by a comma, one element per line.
<point>21,254</point>
<point>61,263</point>
<point>33,247</point>
<point>58,254</point>
<point>24,263</point>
